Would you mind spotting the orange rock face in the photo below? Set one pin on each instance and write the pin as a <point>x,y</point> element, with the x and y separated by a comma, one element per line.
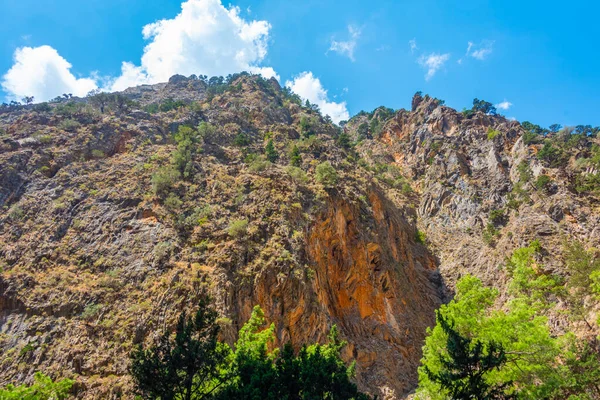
<point>374,281</point>
<point>370,279</point>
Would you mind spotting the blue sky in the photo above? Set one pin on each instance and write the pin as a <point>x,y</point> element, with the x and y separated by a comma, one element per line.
<point>542,57</point>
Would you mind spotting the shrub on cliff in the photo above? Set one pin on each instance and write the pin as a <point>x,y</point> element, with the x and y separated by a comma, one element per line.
<point>270,151</point>
<point>164,179</point>
<point>69,125</point>
<point>498,216</point>
<point>583,282</point>
<point>492,133</point>
<point>206,131</point>
<point>187,146</point>
<point>297,174</point>
<point>542,182</point>
<point>326,174</point>
<point>362,132</point>
<point>295,157</point>
<point>307,127</point>
<point>238,228</point>
<point>241,140</point>
<point>164,106</point>
<point>489,234</point>
<point>553,155</point>
<point>343,140</point>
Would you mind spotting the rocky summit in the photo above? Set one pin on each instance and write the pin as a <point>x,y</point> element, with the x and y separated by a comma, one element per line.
<point>118,210</point>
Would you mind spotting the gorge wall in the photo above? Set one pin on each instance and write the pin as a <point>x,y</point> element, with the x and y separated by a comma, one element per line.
<point>96,257</point>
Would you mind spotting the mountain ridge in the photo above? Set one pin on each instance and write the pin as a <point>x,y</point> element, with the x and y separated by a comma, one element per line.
<point>101,243</point>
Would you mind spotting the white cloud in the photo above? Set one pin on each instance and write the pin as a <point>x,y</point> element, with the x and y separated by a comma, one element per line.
<point>130,76</point>
<point>481,54</point>
<point>481,51</point>
<point>469,47</point>
<point>346,48</point>
<point>413,45</point>
<point>205,38</point>
<point>505,105</point>
<point>41,72</point>
<point>433,63</point>
<point>309,88</point>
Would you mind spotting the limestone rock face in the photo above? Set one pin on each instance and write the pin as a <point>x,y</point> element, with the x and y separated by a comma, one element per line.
<point>377,285</point>
<point>368,277</point>
<point>462,174</point>
<point>94,258</point>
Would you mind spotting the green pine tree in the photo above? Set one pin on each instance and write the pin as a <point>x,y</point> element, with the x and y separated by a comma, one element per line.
<point>343,140</point>
<point>43,388</point>
<point>189,365</point>
<point>187,146</point>
<point>317,372</point>
<point>270,151</point>
<point>465,367</point>
<point>192,364</point>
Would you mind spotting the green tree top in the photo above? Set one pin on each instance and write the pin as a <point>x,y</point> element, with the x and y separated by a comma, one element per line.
<point>43,388</point>
<point>523,335</point>
<point>295,157</point>
<point>270,151</point>
<point>326,174</point>
<point>191,364</point>
<point>465,367</point>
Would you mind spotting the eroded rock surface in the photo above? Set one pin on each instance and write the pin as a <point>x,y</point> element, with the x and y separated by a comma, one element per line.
<point>94,260</point>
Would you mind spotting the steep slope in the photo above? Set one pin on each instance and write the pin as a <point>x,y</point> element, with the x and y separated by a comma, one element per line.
<point>114,216</point>
<point>487,186</point>
<point>101,245</point>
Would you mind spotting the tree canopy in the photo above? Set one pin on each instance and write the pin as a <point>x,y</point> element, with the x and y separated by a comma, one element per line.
<point>193,364</point>
<point>484,106</point>
<point>507,350</point>
<point>43,388</point>
<point>189,365</point>
<point>466,365</point>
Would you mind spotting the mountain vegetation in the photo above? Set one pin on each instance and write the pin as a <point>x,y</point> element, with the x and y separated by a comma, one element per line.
<point>423,253</point>
<point>194,364</point>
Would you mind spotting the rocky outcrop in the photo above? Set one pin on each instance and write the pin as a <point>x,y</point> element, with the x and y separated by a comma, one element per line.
<point>365,274</point>
<point>378,285</point>
<point>462,173</point>
<point>93,260</point>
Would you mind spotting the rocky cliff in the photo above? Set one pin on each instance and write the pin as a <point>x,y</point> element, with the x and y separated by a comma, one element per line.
<point>100,247</point>
<point>473,171</point>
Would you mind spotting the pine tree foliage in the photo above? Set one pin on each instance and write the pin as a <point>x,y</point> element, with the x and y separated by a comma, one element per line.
<point>484,349</point>
<point>316,372</point>
<point>193,364</point>
<point>466,365</point>
<point>43,388</point>
<point>188,365</point>
<point>270,151</point>
<point>295,157</point>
